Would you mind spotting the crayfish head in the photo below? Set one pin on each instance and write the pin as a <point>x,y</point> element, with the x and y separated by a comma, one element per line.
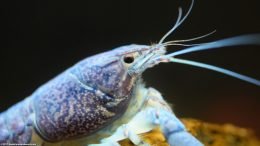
<point>116,72</point>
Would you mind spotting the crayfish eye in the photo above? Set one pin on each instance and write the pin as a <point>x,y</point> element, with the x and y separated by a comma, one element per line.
<point>129,59</point>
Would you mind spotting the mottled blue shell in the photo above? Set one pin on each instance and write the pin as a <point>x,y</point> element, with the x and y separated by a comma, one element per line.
<point>85,98</point>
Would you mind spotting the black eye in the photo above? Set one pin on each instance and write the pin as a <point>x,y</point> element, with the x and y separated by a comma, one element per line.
<point>129,59</point>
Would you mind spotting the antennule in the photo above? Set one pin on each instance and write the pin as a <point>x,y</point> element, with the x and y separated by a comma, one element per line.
<point>178,22</point>
<point>191,39</point>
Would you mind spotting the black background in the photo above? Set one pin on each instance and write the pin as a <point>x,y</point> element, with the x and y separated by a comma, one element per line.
<point>42,38</point>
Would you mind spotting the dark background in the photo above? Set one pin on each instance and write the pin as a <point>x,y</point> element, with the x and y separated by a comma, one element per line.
<point>41,38</point>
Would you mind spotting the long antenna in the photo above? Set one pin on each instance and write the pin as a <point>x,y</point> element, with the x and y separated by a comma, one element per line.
<point>217,69</point>
<point>252,39</point>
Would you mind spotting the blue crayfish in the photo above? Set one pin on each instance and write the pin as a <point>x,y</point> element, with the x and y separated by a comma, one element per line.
<point>102,98</point>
